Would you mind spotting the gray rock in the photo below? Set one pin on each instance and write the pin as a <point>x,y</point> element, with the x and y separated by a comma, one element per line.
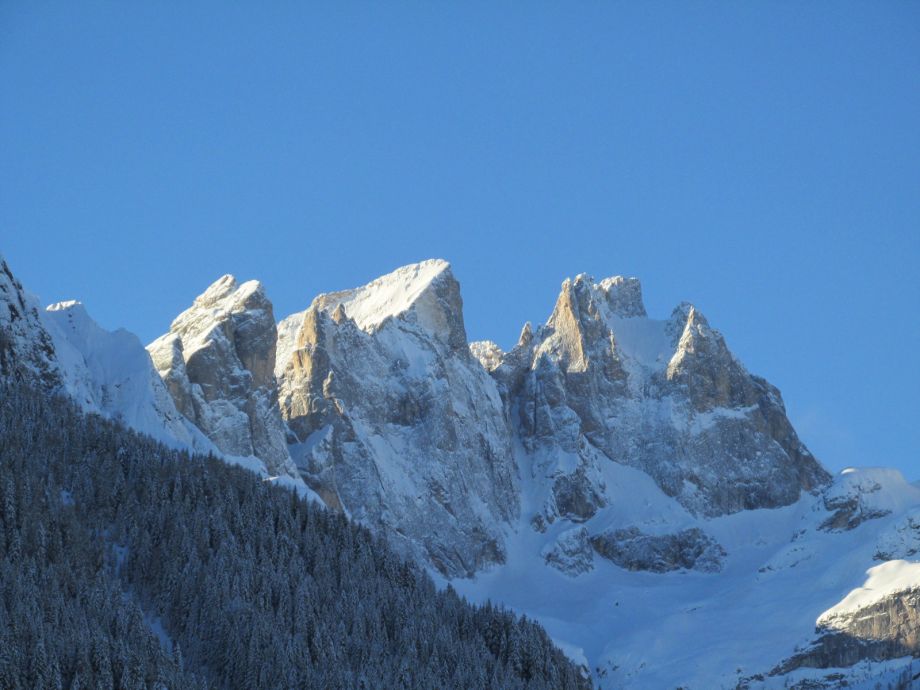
<point>26,348</point>
<point>886,629</point>
<point>571,553</point>
<point>632,549</point>
<point>218,361</point>
<point>396,423</point>
<point>666,397</point>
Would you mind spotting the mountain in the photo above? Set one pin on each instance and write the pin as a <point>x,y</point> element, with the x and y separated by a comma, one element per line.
<point>623,480</point>
<point>110,373</point>
<point>26,350</point>
<point>394,421</point>
<point>218,361</point>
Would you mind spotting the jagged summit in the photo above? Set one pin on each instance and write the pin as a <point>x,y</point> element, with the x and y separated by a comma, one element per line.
<point>218,362</point>
<point>423,296</point>
<point>394,421</point>
<point>390,295</point>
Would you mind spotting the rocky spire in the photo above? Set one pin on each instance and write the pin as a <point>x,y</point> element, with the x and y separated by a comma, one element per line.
<point>218,362</point>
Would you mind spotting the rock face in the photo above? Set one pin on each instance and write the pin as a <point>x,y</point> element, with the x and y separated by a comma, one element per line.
<point>26,349</point>
<point>601,380</point>
<point>632,549</point>
<point>394,420</point>
<point>571,553</point>
<point>218,361</point>
<point>880,621</point>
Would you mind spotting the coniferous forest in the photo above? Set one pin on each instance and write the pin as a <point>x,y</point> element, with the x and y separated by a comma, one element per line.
<point>124,564</point>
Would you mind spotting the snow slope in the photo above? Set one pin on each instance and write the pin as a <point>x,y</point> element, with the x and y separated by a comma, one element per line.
<point>110,373</point>
<point>781,579</point>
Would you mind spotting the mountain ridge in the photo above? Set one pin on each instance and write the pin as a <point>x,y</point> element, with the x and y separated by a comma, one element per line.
<point>608,455</point>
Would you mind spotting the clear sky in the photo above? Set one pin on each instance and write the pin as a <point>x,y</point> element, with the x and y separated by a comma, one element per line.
<point>761,160</point>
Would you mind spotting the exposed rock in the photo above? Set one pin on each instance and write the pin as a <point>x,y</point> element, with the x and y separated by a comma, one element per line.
<point>396,422</point>
<point>852,500</point>
<point>218,363</point>
<point>26,348</point>
<point>667,397</point>
<point>630,548</point>
<point>886,629</point>
<point>902,540</point>
<point>571,553</point>
<point>577,496</point>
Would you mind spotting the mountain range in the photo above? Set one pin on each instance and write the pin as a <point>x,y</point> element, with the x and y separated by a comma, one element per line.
<point>621,479</point>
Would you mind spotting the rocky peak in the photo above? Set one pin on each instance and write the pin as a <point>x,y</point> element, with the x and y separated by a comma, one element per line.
<point>425,294</point>
<point>395,421</point>
<point>624,296</point>
<point>218,362</point>
<point>601,379</point>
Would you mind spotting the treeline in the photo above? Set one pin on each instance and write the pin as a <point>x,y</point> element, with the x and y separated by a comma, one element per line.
<point>124,564</point>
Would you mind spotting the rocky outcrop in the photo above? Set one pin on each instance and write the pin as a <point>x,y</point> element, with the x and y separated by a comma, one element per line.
<point>690,549</point>
<point>902,540</point>
<point>26,348</point>
<point>571,553</point>
<point>395,422</point>
<point>601,380</point>
<point>852,500</point>
<point>218,361</point>
<point>887,629</point>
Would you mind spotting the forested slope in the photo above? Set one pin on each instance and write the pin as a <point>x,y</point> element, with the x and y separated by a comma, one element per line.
<point>127,565</point>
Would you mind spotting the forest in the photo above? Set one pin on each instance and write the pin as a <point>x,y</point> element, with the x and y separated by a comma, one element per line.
<point>125,564</point>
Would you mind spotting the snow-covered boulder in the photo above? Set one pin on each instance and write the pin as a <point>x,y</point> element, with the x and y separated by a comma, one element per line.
<point>630,548</point>
<point>571,553</point>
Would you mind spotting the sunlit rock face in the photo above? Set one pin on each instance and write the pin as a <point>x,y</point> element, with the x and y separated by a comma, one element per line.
<point>602,382</point>
<point>395,422</point>
<point>218,361</point>
<point>878,621</point>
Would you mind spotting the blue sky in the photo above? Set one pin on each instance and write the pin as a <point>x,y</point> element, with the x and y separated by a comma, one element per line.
<point>761,160</point>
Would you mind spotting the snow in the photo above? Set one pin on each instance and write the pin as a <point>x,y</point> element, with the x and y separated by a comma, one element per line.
<point>644,340</point>
<point>110,373</point>
<point>695,630</point>
<point>388,295</point>
<point>883,581</point>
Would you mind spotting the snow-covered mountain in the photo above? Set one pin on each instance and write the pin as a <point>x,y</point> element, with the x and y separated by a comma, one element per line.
<point>396,423</point>
<point>622,479</point>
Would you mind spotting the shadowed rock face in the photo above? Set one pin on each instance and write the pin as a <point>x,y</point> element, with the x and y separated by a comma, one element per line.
<point>218,363</point>
<point>26,348</point>
<point>689,549</point>
<point>667,397</point>
<point>395,422</point>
